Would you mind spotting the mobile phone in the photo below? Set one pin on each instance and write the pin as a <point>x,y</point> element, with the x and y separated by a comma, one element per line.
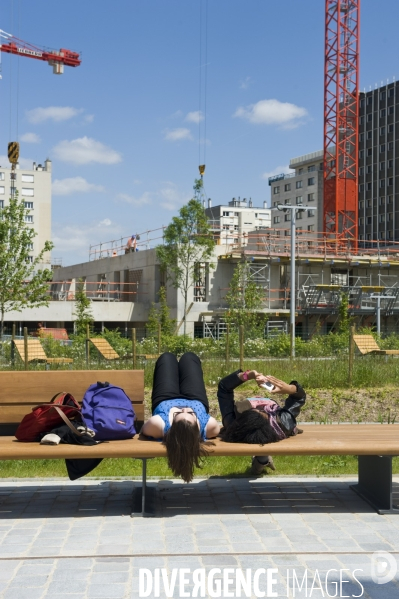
<point>267,385</point>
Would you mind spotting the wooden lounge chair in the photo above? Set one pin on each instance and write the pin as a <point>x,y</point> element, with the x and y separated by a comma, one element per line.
<point>36,352</point>
<point>104,348</point>
<point>366,344</point>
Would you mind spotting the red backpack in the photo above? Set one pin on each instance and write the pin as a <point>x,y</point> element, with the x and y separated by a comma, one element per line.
<point>47,416</point>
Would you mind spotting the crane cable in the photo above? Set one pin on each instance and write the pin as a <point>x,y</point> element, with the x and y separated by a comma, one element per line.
<point>202,101</point>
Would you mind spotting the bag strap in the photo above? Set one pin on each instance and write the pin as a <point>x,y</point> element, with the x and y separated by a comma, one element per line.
<point>56,395</point>
<point>68,422</point>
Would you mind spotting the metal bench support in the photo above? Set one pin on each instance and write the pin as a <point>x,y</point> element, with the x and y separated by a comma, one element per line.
<point>375,483</point>
<point>143,495</point>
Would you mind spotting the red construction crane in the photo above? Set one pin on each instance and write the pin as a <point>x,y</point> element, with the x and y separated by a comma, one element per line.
<point>57,59</point>
<point>341,121</point>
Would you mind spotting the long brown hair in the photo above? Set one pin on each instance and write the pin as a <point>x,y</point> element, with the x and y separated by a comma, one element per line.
<point>184,448</point>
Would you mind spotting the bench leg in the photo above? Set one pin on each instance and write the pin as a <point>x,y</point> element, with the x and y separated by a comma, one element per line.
<point>142,496</point>
<point>375,483</point>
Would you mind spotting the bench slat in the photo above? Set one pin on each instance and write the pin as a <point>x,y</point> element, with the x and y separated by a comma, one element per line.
<point>34,387</point>
<point>14,414</point>
<point>357,439</point>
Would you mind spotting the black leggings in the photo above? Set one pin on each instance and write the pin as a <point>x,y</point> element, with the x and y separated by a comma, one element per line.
<point>178,380</point>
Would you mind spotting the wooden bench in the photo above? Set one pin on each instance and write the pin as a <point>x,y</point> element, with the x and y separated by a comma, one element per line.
<point>366,344</point>
<point>36,352</point>
<point>104,348</point>
<point>375,444</point>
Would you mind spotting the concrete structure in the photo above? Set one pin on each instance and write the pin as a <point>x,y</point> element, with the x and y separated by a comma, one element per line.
<point>232,223</point>
<point>34,186</point>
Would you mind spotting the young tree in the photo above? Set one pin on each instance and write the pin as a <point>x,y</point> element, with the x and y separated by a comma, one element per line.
<point>187,241</point>
<point>161,317</point>
<point>244,299</point>
<point>21,283</point>
<point>82,313</point>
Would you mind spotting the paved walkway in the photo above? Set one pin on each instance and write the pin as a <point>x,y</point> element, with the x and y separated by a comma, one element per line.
<point>64,540</point>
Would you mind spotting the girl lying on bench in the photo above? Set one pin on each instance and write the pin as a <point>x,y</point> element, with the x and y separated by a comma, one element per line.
<point>259,420</point>
<point>180,412</point>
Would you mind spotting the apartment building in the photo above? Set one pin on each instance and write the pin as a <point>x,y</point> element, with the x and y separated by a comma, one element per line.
<point>232,223</point>
<point>304,187</point>
<point>379,165</point>
<point>34,187</point>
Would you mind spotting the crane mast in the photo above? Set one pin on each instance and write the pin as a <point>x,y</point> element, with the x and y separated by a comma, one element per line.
<point>341,122</point>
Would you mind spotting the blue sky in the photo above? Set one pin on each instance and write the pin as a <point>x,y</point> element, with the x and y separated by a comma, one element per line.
<point>123,129</point>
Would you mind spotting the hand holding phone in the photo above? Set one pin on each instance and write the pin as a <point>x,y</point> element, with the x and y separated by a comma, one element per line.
<point>267,385</point>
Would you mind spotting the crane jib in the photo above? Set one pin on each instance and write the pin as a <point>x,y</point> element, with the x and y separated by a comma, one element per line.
<point>30,52</point>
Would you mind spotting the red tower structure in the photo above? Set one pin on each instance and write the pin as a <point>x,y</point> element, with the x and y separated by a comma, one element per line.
<point>341,122</point>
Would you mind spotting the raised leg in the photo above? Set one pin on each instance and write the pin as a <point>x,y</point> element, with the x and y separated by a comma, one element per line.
<point>375,483</point>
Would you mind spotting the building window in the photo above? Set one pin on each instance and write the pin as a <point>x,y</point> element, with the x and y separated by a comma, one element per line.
<point>383,113</point>
<point>369,170</point>
<point>369,134</point>
<point>390,128</point>
<point>311,181</point>
<point>361,171</point>
<point>361,137</point>
<point>311,213</point>
<point>287,217</point>
<point>383,95</point>
<point>236,213</point>
<point>369,203</point>
<point>225,213</point>
<point>275,204</point>
<point>389,200</point>
<point>382,148</point>
<point>361,187</point>
<point>382,130</point>
<point>361,204</point>
<point>29,258</point>
<point>362,103</point>
<point>382,234</point>
<point>276,189</point>
<point>27,191</point>
<point>382,183</point>
<point>299,214</point>
<point>369,221</point>
<point>382,166</point>
<point>369,118</point>
<point>311,168</point>
<point>286,233</point>
<point>286,201</point>
<point>310,197</point>
<point>2,177</point>
<point>310,228</point>
<point>390,163</point>
<point>361,220</point>
<point>361,154</point>
<point>298,184</point>
<point>1,203</point>
<point>27,178</point>
<point>391,109</point>
<point>298,199</point>
<point>276,220</point>
<point>300,171</point>
<point>381,200</point>
<point>370,152</point>
<point>29,218</point>
<point>382,218</point>
<point>390,181</point>
<point>390,146</point>
<point>369,101</point>
<point>368,187</point>
<point>2,190</point>
<point>298,230</point>
<point>362,120</point>
<point>287,187</point>
<point>391,92</point>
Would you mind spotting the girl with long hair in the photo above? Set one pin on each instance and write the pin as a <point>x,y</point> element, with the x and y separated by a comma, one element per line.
<point>259,420</point>
<point>180,412</point>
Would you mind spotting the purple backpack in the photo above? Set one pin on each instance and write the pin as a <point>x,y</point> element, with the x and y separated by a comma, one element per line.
<point>108,411</point>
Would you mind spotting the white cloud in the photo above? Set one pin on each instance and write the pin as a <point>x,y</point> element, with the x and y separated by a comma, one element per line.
<point>170,197</point>
<point>272,112</point>
<point>24,163</point>
<point>194,117</point>
<point>177,134</point>
<point>245,83</point>
<point>30,138</point>
<point>85,150</point>
<point>277,171</point>
<point>89,118</point>
<point>144,199</point>
<point>75,241</point>
<point>106,222</point>
<point>52,113</point>
<point>65,187</point>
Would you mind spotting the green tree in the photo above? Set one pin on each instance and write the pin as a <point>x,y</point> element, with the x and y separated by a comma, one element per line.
<point>244,300</point>
<point>22,282</point>
<point>345,320</point>
<point>187,241</point>
<point>83,314</point>
<point>161,317</point>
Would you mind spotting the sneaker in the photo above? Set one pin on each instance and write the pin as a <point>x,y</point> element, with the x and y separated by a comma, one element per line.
<point>258,468</point>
